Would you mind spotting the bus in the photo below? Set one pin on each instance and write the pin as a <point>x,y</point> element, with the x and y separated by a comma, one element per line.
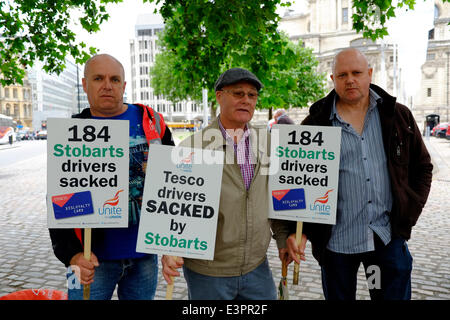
<point>181,125</point>
<point>7,129</point>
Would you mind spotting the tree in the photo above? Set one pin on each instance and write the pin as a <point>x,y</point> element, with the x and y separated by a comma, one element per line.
<point>202,39</point>
<point>39,30</point>
<point>371,15</point>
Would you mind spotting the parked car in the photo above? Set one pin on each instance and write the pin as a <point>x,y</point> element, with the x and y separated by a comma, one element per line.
<point>440,130</point>
<point>24,135</point>
<point>447,134</point>
<point>42,135</point>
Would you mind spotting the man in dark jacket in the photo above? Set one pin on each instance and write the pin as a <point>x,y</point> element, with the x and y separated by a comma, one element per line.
<point>114,260</point>
<point>384,181</point>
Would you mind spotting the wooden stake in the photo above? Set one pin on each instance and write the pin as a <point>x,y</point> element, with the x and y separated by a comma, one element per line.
<point>298,239</point>
<point>169,289</point>
<point>87,256</point>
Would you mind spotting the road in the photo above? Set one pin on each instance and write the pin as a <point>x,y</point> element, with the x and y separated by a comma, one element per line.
<point>21,150</point>
<point>27,260</point>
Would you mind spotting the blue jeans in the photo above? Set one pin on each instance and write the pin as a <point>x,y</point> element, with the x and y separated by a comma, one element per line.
<point>388,270</point>
<point>135,279</point>
<point>255,285</point>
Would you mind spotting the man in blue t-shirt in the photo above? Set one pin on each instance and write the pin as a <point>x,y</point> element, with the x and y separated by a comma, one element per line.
<point>114,260</point>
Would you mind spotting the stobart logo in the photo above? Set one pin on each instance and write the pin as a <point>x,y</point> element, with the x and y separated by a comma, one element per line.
<point>186,163</point>
<point>112,210</point>
<point>320,204</point>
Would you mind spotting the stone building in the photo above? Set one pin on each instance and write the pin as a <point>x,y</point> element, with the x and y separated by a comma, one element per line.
<point>143,50</point>
<point>326,27</point>
<point>15,101</point>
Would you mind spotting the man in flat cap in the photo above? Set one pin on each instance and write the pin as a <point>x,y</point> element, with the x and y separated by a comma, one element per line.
<point>240,269</point>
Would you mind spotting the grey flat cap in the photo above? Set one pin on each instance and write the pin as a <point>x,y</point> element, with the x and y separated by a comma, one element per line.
<point>236,75</point>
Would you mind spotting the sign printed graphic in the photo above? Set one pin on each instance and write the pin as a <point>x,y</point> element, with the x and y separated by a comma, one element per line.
<point>305,160</point>
<point>87,173</point>
<point>72,205</point>
<point>180,205</point>
<point>288,199</point>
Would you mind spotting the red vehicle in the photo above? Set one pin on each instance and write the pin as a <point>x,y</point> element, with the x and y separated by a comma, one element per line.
<point>440,130</point>
<point>447,134</point>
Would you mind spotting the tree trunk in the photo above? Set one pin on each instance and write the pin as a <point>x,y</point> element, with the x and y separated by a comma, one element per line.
<point>213,110</point>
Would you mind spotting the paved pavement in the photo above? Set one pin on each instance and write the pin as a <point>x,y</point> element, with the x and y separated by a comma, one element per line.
<point>27,260</point>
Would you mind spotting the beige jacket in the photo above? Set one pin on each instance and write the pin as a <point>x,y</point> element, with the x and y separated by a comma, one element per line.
<point>243,228</point>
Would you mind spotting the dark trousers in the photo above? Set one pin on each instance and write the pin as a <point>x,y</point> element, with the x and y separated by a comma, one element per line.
<point>388,272</point>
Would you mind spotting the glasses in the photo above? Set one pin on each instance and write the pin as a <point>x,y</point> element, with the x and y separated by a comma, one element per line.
<point>241,94</point>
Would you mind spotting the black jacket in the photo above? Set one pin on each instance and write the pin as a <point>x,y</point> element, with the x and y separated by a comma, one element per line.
<point>65,242</point>
<point>408,162</point>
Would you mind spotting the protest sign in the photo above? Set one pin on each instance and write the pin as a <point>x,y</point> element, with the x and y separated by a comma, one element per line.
<point>304,186</point>
<point>87,173</point>
<point>306,161</point>
<point>180,202</point>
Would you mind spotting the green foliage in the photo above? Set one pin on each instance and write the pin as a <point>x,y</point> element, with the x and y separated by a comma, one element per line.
<point>371,15</point>
<point>204,38</point>
<point>39,30</point>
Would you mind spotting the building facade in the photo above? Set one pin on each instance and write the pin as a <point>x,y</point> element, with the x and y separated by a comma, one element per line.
<point>326,27</point>
<point>15,101</point>
<point>53,96</point>
<point>143,50</point>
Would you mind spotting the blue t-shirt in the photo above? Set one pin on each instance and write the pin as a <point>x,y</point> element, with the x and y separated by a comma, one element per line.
<point>120,243</point>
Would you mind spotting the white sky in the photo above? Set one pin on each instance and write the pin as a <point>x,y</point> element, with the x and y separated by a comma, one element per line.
<point>115,34</point>
<point>410,31</point>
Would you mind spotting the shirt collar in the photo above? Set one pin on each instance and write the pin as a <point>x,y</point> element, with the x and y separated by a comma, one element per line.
<point>374,98</point>
<point>228,137</point>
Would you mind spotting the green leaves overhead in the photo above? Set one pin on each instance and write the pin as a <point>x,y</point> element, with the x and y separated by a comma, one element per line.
<point>204,38</point>
<point>31,30</point>
<point>371,15</point>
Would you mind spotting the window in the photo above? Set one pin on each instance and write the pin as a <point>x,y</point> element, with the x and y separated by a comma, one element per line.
<point>6,92</point>
<point>344,15</point>
<point>431,56</point>
<point>436,12</point>
<point>431,34</point>
<point>15,93</point>
<point>145,32</point>
<point>428,92</point>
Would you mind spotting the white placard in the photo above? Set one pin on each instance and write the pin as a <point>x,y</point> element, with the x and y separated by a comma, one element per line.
<point>180,205</point>
<point>305,160</point>
<point>87,173</point>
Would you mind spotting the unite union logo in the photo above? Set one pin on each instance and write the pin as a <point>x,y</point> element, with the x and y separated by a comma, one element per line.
<point>113,201</point>
<point>112,211</point>
<point>324,198</point>
<point>320,204</point>
<point>186,163</point>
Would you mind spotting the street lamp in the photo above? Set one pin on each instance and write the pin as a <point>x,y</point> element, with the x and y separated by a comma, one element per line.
<point>448,67</point>
<point>78,89</point>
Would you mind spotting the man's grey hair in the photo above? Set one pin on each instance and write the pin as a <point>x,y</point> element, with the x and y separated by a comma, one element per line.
<point>279,112</point>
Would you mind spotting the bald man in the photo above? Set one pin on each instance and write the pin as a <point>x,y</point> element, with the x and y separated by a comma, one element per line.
<point>114,261</point>
<point>384,181</point>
